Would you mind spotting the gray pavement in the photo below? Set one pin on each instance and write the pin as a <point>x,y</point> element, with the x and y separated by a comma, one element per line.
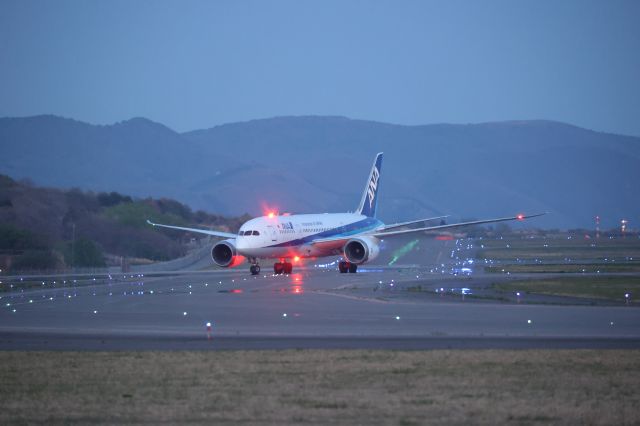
<point>311,308</point>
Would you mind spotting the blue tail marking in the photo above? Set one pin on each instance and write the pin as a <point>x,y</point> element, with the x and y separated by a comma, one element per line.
<point>369,199</point>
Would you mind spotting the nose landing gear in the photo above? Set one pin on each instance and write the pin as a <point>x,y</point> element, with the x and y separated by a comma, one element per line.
<point>254,268</point>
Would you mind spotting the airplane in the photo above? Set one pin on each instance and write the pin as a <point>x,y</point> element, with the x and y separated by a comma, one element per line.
<point>355,236</point>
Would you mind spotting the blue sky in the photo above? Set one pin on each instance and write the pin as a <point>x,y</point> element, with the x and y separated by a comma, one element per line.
<point>196,64</point>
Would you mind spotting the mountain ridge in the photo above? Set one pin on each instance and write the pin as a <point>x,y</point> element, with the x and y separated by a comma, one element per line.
<point>306,163</point>
<point>321,117</point>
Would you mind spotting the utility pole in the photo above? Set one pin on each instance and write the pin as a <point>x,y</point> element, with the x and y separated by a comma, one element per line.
<point>73,245</point>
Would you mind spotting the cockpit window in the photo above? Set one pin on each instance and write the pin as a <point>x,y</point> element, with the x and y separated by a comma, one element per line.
<point>241,233</point>
<point>256,233</point>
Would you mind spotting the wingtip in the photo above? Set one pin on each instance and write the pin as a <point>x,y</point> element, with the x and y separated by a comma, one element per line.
<point>535,215</point>
<point>150,223</point>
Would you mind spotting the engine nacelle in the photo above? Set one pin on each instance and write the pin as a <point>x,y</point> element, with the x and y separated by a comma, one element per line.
<point>224,254</point>
<point>361,249</point>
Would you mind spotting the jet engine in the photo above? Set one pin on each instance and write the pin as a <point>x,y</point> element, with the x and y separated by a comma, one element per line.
<point>224,254</point>
<point>361,249</point>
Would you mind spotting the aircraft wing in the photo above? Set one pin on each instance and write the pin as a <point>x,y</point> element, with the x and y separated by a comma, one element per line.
<point>454,225</point>
<point>401,224</point>
<point>337,241</point>
<point>199,231</point>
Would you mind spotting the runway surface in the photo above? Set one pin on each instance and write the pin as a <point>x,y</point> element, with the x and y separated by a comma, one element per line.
<point>311,308</point>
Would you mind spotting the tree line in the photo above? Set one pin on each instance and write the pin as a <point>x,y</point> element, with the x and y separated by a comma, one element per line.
<point>47,228</point>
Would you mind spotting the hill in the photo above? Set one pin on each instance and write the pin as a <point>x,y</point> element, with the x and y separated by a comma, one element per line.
<point>45,228</point>
<point>306,164</point>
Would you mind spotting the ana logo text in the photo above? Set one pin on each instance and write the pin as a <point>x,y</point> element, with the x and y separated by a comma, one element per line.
<point>373,184</point>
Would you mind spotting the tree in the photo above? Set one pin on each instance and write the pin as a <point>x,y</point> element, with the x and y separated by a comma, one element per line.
<point>36,260</point>
<point>112,199</point>
<point>13,238</point>
<point>85,253</point>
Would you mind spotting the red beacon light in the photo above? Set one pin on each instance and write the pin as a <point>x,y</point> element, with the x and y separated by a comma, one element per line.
<point>520,216</point>
<point>296,258</point>
<point>269,211</point>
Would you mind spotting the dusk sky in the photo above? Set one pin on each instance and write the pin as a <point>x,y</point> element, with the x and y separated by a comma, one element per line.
<point>196,64</point>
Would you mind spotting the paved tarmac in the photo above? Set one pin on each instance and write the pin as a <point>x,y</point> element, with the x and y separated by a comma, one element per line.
<point>312,308</point>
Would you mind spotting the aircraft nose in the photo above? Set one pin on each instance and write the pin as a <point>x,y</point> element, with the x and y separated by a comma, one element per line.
<point>241,243</point>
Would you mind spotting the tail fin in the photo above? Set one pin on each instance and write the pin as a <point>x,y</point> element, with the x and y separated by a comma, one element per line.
<point>369,199</point>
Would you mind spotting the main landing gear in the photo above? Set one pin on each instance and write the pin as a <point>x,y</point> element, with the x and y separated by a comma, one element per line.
<point>345,267</point>
<point>279,268</point>
<point>282,267</point>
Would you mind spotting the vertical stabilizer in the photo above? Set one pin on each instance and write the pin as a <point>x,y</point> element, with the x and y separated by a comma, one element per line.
<point>369,199</point>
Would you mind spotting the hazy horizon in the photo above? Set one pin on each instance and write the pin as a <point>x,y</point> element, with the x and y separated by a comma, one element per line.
<point>313,116</point>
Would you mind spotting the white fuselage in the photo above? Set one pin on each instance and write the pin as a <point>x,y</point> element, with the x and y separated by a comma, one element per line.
<point>294,235</point>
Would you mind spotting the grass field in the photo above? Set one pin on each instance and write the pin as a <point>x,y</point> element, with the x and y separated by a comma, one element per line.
<point>559,249</point>
<point>612,287</point>
<point>322,387</point>
<point>565,268</point>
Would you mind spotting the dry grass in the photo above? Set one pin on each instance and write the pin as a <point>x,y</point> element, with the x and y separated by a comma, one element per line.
<point>589,286</point>
<point>322,387</point>
<point>542,268</point>
<point>558,249</point>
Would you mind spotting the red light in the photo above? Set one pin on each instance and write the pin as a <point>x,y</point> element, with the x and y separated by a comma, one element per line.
<point>520,216</point>
<point>297,258</point>
<point>297,283</point>
<point>269,211</point>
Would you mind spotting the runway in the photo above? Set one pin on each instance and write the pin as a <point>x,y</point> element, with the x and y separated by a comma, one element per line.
<point>311,308</point>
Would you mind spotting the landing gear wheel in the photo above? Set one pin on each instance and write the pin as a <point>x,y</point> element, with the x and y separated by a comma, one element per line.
<point>255,269</point>
<point>282,268</point>
<point>343,267</point>
<point>353,268</point>
<point>278,268</point>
